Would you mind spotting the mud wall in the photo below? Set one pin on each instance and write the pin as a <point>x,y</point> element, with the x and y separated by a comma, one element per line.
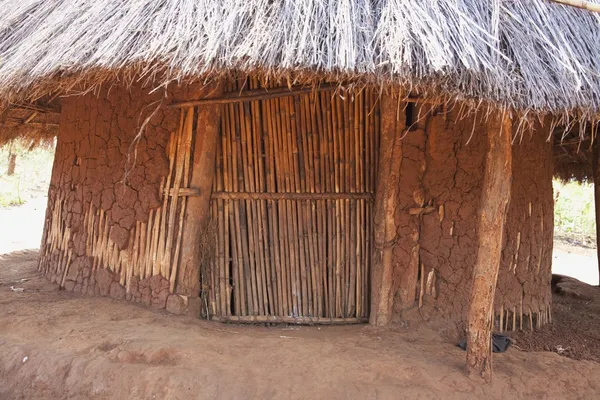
<point>105,198</point>
<point>440,191</point>
<point>526,269</point>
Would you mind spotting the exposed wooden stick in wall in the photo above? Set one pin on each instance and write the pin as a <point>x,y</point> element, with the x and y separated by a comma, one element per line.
<point>596,173</point>
<point>251,95</point>
<point>197,214</point>
<point>494,206</point>
<point>386,198</point>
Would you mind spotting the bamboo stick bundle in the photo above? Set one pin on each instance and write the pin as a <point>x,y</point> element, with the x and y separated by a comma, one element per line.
<point>163,264</point>
<point>88,228</point>
<point>246,211</point>
<point>260,147</point>
<point>291,226</point>
<point>167,198</point>
<point>299,212</point>
<point>326,178</point>
<point>66,268</point>
<point>225,185</point>
<point>303,185</point>
<point>155,262</point>
<point>289,320</point>
<point>235,223</point>
<point>218,214</point>
<point>149,241</point>
<point>287,226</point>
<point>132,265</point>
<point>271,210</point>
<point>256,257</point>
<point>228,182</point>
<point>217,281</point>
<point>103,243</point>
<point>333,187</point>
<point>124,265</point>
<point>143,246</point>
<point>172,267</point>
<point>250,120</point>
<point>245,279</point>
<point>313,109</point>
<point>278,213</point>
<point>308,136</point>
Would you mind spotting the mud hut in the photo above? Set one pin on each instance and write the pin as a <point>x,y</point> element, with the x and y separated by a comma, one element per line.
<point>306,162</point>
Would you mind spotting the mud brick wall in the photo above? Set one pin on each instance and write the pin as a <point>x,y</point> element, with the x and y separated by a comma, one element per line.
<point>440,192</point>
<point>105,187</point>
<point>526,269</point>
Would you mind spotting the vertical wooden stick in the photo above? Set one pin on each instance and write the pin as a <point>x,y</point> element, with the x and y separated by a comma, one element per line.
<point>494,205</point>
<point>386,198</point>
<point>596,173</point>
<point>197,213</point>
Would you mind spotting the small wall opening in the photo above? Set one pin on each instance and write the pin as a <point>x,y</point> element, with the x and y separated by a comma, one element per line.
<point>575,231</point>
<point>25,173</point>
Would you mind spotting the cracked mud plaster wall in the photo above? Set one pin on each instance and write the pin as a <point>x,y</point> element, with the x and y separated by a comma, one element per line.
<point>101,184</point>
<point>440,191</point>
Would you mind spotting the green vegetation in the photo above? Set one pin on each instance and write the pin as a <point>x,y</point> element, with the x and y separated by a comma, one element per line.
<point>574,211</point>
<point>31,177</point>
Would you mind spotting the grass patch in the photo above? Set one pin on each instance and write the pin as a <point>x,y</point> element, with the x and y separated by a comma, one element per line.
<point>32,174</point>
<point>574,212</point>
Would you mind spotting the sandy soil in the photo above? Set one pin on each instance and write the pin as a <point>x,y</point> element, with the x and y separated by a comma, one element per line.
<point>575,329</point>
<point>54,344</point>
<point>22,227</point>
<point>579,262</point>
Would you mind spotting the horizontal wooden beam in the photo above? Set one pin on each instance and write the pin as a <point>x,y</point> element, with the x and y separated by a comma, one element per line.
<point>266,94</point>
<point>183,192</point>
<point>16,122</point>
<point>35,107</point>
<point>291,196</point>
<point>288,320</point>
<point>582,4</point>
<point>252,95</point>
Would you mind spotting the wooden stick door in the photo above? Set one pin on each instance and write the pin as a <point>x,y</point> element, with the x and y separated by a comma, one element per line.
<point>292,209</point>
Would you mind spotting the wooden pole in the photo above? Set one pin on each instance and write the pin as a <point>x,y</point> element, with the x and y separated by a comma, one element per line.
<point>386,198</point>
<point>584,5</point>
<point>197,212</point>
<point>494,206</point>
<point>12,163</point>
<point>251,95</point>
<point>596,173</point>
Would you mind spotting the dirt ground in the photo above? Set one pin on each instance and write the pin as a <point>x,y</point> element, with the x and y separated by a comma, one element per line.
<point>57,345</point>
<point>575,329</point>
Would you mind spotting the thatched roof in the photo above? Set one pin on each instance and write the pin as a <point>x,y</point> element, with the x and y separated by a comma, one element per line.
<point>573,152</point>
<point>526,54</point>
<point>34,124</point>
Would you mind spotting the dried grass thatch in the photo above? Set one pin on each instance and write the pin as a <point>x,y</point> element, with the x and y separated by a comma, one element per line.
<point>573,153</point>
<point>528,55</point>
<point>32,128</point>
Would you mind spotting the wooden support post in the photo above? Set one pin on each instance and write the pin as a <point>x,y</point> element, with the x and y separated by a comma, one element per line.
<point>197,212</point>
<point>494,205</point>
<point>596,173</point>
<point>386,199</point>
<point>12,163</point>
